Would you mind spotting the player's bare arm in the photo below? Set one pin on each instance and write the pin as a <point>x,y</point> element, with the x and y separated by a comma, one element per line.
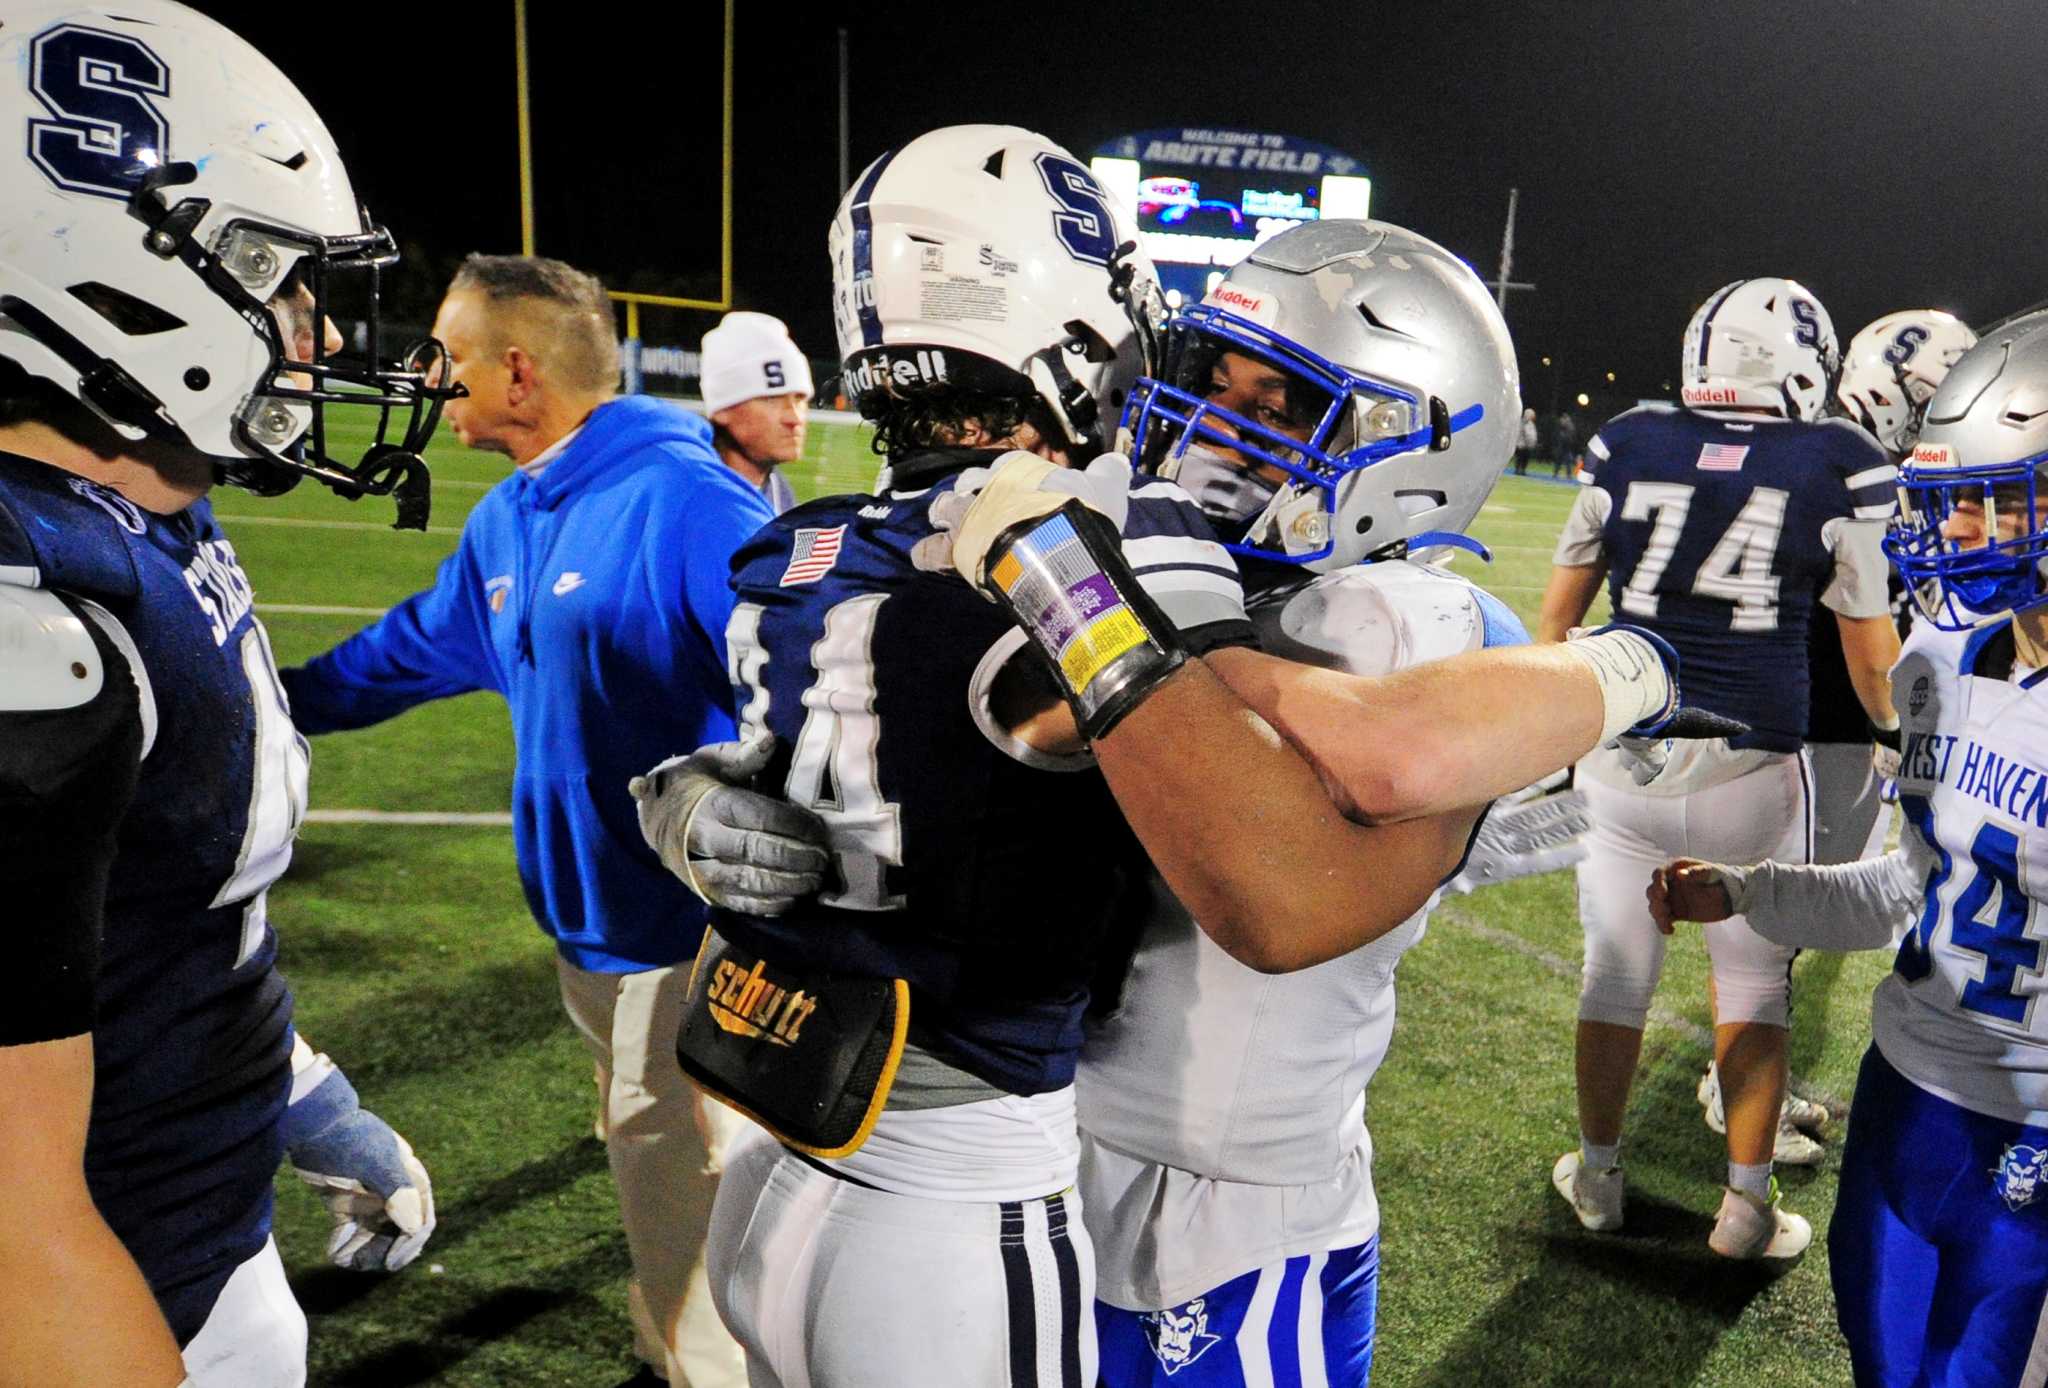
<point>74,1309</point>
<point>1286,880</point>
<point>1567,598</point>
<point>1031,528</point>
<point>1870,647</point>
<point>1447,736</point>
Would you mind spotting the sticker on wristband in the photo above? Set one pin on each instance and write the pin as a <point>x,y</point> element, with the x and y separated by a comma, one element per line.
<point>1054,583</point>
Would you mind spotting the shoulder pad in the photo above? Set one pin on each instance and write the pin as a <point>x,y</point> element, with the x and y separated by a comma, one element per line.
<point>58,531</point>
<point>1650,412</point>
<point>47,657</point>
<point>1371,619</point>
<point>1858,448</point>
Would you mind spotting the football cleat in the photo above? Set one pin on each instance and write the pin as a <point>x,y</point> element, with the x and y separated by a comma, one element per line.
<point>1595,1196</point>
<point>1749,1228</point>
<point>1804,1114</point>
<point>1796,1120</point>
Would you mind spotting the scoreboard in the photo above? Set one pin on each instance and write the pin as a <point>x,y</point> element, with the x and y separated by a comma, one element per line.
<point>1205,197</point>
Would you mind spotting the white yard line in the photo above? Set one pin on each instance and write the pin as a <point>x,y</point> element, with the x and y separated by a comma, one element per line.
<point>234,518</point>
<point>314,609</point>
<point>492,819</point>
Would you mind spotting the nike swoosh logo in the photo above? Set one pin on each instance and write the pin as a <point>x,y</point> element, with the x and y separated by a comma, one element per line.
<point>568,583</point>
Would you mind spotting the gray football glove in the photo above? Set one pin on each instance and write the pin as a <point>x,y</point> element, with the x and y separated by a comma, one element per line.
<point>733,847</point>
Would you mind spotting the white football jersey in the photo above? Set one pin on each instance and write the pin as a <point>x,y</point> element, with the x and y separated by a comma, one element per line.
<point>1223,1110</point>
<point>1964,1012</point>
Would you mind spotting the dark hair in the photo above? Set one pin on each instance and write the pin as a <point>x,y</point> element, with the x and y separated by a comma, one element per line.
<point>24,397</point>
<point>927,415</point>
<point>583,328</point>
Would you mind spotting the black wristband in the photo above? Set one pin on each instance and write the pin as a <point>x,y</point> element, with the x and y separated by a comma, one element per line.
<point>1064,580</point>
<point>1886,737</point>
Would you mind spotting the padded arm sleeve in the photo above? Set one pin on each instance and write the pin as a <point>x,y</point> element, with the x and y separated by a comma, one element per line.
<point>66,778</point>
<point>1858,905</point>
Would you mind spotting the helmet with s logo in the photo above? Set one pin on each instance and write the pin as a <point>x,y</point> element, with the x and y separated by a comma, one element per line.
<point>1893,367</point>
<point>177,221</point>
<point>988,257</point>
<point>1761,346</point>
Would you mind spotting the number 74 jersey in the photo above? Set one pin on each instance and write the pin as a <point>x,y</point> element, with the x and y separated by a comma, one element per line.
<point>1720,534</point>
<point>1964,1013</point>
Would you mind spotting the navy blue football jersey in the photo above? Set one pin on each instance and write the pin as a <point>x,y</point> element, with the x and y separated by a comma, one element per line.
<point>984,882</point>
<point>192,1035</point>
<point>1720,537</point>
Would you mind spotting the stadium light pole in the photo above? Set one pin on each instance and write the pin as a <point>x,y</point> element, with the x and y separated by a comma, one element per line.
<point>1502,285</point>
<point>845,164</point>
<point>525,129</point>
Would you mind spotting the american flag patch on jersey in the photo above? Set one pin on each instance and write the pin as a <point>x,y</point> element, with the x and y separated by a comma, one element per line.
<point>1722,457</point>
<point>815,552</point>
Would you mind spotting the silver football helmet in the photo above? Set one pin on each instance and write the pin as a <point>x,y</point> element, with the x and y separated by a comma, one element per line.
<point>1984,443</point>
<point>1346,388</point>
<point>1893,367</point>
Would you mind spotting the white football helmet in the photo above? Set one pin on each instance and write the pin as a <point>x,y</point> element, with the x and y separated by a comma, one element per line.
<point>987,256</point>
<point>1892,368</point>
<point>1347,387</point>
<point>1762,345</point>
<point>168,182</point>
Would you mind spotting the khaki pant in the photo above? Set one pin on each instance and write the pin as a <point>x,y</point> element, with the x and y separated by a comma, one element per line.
<point>628,1023</point>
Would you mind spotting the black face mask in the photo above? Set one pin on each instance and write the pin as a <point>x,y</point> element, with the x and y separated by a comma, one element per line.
<point>407,391</point>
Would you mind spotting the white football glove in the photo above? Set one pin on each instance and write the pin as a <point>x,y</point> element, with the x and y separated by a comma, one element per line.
<point>1537,829</point>
<point>1644,757</point>
<point>1019,486</point>
<point>375,1189</point>
<point>733,847</point>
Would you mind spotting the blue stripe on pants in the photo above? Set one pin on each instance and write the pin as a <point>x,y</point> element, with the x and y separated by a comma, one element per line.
<point>1198,1344</point>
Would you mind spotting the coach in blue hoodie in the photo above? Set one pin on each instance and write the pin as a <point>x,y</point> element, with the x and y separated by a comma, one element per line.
<point>590,589</point>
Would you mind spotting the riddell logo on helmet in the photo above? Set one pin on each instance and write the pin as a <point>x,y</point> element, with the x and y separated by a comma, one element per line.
<point>1252,306</point>
<point>1708,395</point>
<point>880,371</point>
<point>1933,455</point>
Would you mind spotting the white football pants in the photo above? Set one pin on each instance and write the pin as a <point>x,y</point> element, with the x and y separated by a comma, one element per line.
<point>1849,818</point>
<point>1762,812</point>
<point>831,1284</point>
<point>255,1336</point>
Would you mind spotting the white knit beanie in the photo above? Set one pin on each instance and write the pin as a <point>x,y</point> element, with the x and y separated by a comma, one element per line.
<point>750,355</point>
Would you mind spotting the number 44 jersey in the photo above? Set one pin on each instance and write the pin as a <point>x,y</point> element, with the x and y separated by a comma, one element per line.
<point>1720,533</point>
<point>192,1039</point>
<point>1964,1013</point>
<point>984,881</point>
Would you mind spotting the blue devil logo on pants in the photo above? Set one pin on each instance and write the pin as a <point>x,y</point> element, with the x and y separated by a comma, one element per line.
<point>2017,1177</point>
<point>1180,1334</point>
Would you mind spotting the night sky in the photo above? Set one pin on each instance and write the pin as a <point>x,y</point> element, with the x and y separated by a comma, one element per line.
<point>1887,154</point>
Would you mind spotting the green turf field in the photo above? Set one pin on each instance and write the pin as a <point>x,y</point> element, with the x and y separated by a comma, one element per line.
<point>417,966</point>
